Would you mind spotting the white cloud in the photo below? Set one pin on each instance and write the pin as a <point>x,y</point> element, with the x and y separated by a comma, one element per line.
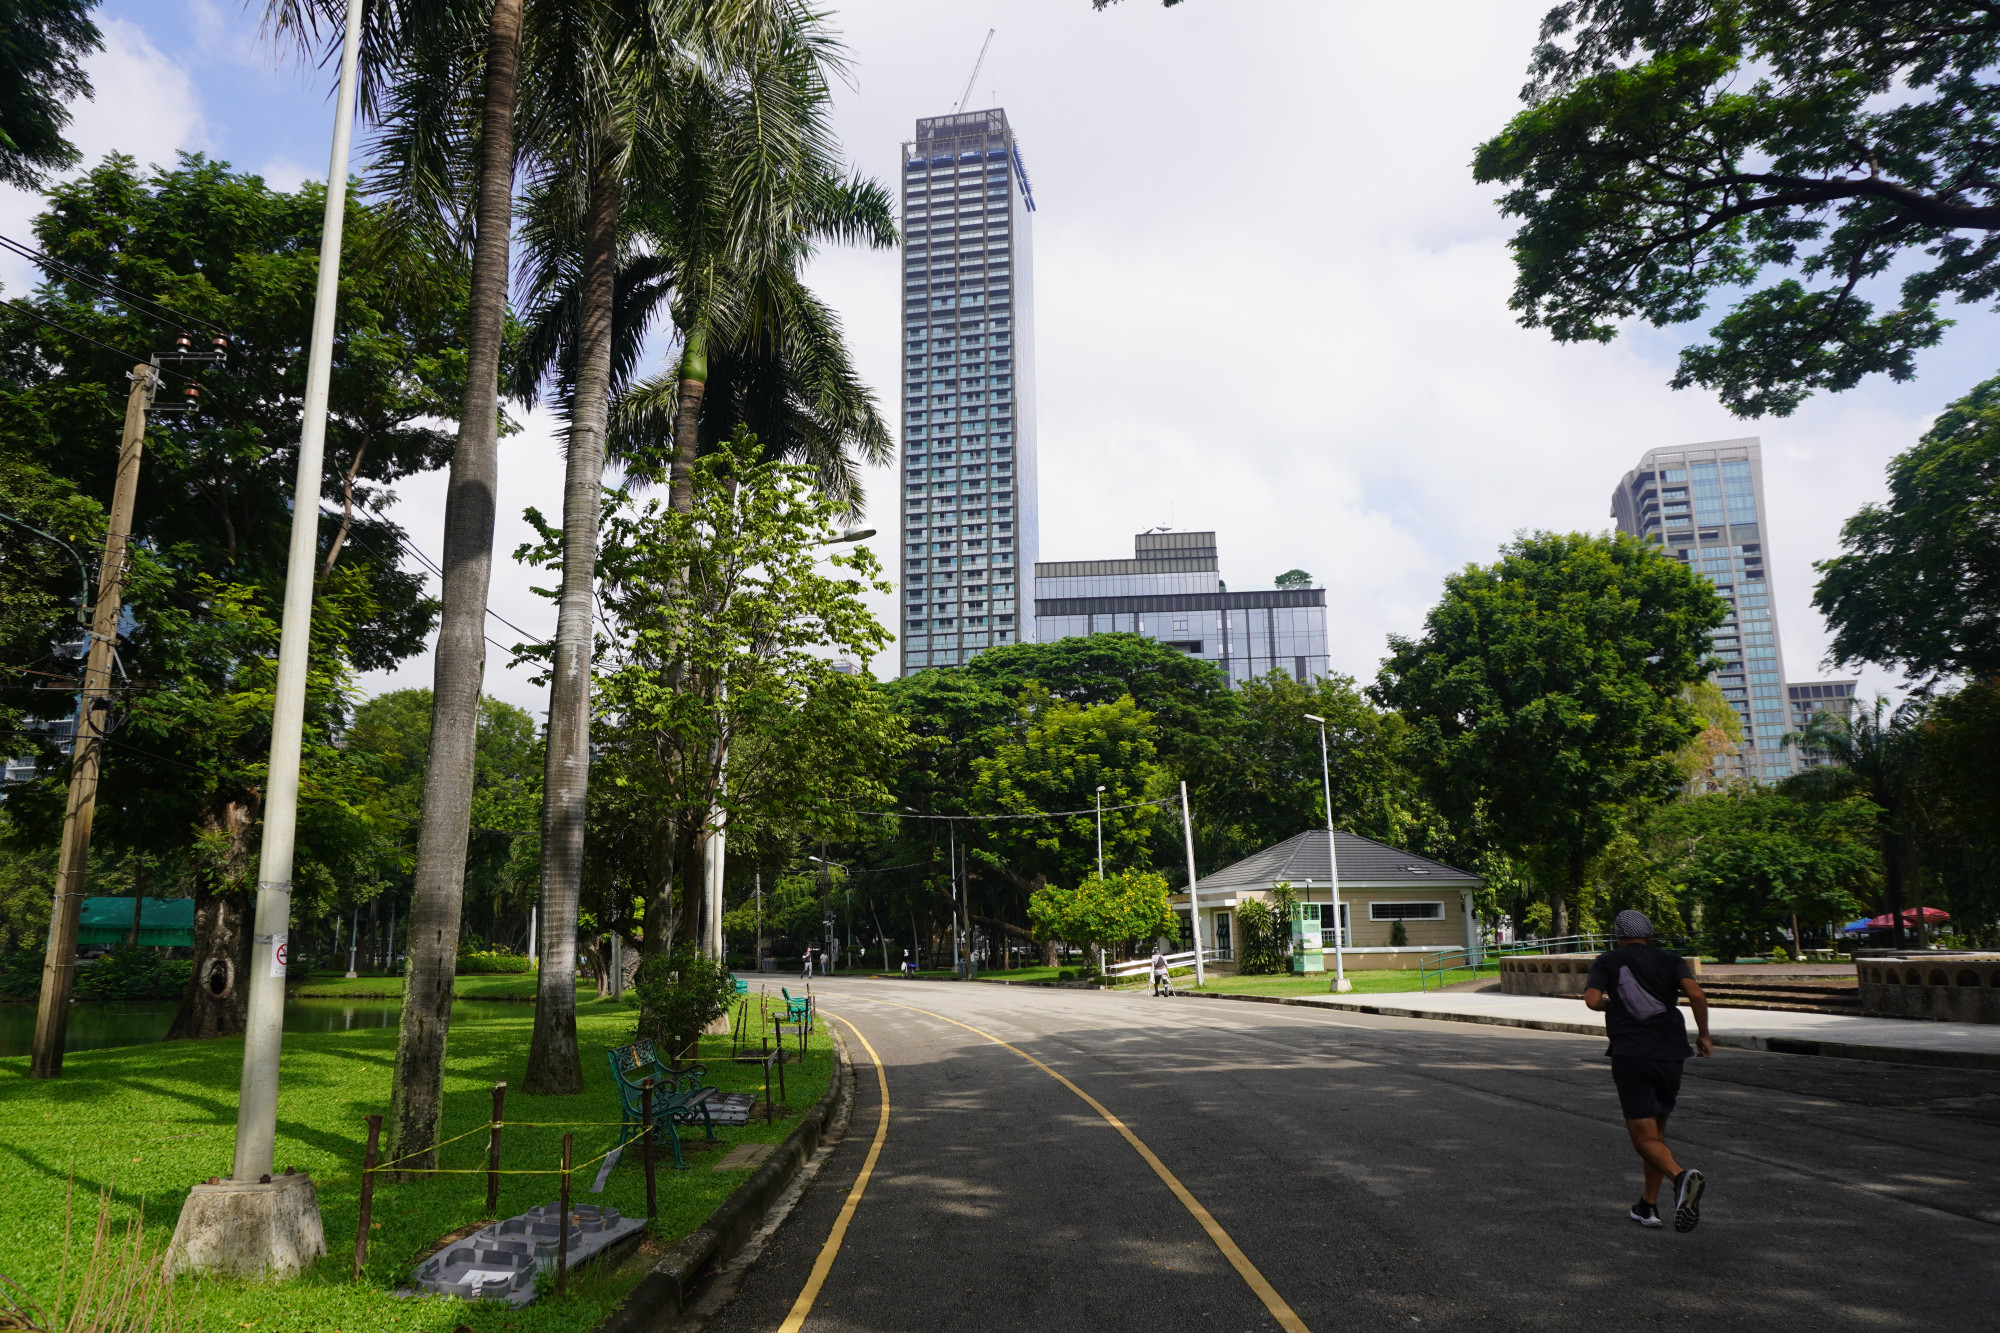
<point>145,105</point>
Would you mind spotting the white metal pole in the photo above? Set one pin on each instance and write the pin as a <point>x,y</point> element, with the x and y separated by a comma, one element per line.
<point>1100,833</point>
<point>257,1100</point>
<point>952,852</point>
<point>353,941</point>
<point>533,908</point>
<point>1194,907</point>
<point>1340,981</point>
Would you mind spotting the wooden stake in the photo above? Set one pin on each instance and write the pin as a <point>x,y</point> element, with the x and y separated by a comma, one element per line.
<point>646,1146</point>
<point>367,1194</point>
<point>493,1150</point>
<point>562,1227</point>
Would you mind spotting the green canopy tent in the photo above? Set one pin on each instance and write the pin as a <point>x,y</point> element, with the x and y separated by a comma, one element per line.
<point>166,921</point>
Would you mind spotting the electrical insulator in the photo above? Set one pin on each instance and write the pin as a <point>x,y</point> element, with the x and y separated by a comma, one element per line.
<point>183,344</point>
<point>193,397</point>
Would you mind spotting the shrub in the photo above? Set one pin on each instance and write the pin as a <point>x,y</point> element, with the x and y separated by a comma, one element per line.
<point>474,962</point>
<point>133,974</point>
<point>1399,935</point>
<point>679,994</point>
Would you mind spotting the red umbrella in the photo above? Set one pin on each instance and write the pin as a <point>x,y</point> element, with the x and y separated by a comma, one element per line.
<point>1932,915</point>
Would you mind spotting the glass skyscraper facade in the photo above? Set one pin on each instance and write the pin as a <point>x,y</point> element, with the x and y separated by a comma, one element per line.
<point>1705,504</point>
<point>969,516</point>
<point>1172,591</point>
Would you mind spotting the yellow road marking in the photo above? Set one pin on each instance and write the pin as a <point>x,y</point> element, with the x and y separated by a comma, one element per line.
<point>831,1250</point>
<point>1237,1259</point>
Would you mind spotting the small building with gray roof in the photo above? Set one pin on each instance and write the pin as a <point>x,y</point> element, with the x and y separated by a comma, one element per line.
<point>1380,885</point>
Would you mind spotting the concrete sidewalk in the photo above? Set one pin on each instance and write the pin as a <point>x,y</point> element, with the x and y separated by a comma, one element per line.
<point>1895,1040</point>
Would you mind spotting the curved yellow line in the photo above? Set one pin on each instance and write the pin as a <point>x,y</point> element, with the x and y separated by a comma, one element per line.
<point>831,1250</point>
<point>1238,1260</point>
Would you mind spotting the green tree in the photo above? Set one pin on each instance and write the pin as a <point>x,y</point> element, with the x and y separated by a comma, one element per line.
<point>1293,578</point>
<point>716,695</point>
<point>42,47</point>
<point>1059,753</point>
<point>1875,753</point>
<point>1754,859</point>
<point>1545,695</point>
<point>1918,587</point>
<point>1721,732</point>
<point>1672,151</point>
<point>1098,913</point>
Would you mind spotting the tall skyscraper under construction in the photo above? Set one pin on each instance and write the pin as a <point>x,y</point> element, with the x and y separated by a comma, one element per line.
<point>1705,504</point>
<point>970,528</point>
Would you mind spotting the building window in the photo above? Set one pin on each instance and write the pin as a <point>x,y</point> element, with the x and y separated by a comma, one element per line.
<point>1433,911</point>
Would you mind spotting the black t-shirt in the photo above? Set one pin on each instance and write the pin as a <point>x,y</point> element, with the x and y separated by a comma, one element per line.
<point>1642,978</point>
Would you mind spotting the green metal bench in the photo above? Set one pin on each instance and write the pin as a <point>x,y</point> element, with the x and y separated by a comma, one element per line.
<point>742,986</point>
<point>797,1010</point>
<point>679,1096</point>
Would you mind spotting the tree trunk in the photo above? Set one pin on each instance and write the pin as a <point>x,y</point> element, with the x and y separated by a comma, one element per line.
<point>687,419</point>
<point>1892,865</point>
<point>217,999</point>
<point>659,919</point>
<point>416,1096</point>
<point>554,1065</point>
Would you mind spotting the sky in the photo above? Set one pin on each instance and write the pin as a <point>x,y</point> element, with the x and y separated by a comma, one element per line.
<point>1270,300</point>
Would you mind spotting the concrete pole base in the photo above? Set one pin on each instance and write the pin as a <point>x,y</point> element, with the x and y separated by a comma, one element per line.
<point>249,1229</point>
<point>1340,984</point>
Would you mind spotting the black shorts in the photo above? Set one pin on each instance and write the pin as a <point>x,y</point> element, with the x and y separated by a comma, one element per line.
<point>1647,1089</point>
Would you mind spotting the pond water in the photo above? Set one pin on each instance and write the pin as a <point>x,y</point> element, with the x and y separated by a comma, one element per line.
<point>96,1024</point>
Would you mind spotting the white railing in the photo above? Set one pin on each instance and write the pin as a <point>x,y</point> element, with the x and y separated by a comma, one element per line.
<point>1139,967</point>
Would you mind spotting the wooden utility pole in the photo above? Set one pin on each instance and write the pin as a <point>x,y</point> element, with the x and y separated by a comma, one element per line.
<point>86,752</point>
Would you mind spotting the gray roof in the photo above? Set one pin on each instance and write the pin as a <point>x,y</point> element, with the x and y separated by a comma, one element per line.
<point>1364,863</point>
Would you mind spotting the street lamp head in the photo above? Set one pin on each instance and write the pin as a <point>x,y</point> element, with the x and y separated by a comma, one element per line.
<point>851,535</point>
<point>1315,717</point>
<point>1100,789</point>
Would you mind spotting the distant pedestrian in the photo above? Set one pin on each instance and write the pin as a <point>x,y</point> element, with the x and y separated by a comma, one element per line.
<point>808,959</point>
<point>1637,987</point>
<point>1159,970</point>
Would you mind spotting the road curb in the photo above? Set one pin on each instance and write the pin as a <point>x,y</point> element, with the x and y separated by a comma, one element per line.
<point>655,1305</point>
<point>1837,1050</point>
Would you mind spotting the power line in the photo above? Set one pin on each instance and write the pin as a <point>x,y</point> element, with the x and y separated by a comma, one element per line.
<point>123,295</point>
<point>1052,814</point>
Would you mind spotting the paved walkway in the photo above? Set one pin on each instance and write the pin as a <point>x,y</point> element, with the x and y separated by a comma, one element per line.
<point>1376,1173</point>
<point>1902,1040</point>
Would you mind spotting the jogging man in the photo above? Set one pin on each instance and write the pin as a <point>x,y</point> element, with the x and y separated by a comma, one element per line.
<point>1159,970</point>
<point>1637,988</point>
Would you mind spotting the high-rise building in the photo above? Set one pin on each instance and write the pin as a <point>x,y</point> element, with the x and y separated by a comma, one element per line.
<point>1172,591</point>
<point>970,520</point>
<point>1705,504</point>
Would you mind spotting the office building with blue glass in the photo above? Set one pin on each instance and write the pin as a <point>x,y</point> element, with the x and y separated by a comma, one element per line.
<point>1705,504</point>
<point>969,516</point>
<point>1172,591</point>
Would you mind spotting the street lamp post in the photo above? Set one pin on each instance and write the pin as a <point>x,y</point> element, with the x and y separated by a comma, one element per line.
<point>1340,981</point>
<point>256,1222</point>
<point>1100,833</point>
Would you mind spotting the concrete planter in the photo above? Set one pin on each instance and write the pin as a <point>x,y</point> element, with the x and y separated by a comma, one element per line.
<point>1954,988</point>
<point>1554,973</point>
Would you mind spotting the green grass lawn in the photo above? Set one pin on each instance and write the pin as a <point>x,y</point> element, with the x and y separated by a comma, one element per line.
<point>149,1121</point>
<point>508,986</point>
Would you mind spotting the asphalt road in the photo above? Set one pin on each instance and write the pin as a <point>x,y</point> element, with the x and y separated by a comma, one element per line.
<point>1376,1171</point>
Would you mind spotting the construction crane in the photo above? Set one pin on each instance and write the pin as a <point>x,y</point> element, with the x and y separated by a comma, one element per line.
<point>975,72</point>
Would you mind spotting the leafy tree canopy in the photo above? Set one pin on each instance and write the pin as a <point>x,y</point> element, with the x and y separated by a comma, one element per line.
<point>1293,578</point>
<point>1919,585</point>
<point>201,247</point>
<point>42,47</point>
<point>1545,692</point>
<point>1130,905</point>
<point>1672,149</point>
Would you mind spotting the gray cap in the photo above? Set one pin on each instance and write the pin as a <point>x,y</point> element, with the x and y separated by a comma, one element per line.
<point>1631,925</point>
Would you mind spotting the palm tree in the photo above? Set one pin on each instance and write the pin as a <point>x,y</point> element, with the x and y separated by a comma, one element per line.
<point>439,80</point>
<point>1875,752</point>
<point>648,168</point>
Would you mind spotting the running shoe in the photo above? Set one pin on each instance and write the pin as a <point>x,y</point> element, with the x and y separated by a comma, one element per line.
<point>1687,1199</point>
<point>1646,1215</point>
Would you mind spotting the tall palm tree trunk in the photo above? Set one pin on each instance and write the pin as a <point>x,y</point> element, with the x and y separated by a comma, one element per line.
<point>687,419</point>
<point>554,1065</point>
<point>417,1094</point>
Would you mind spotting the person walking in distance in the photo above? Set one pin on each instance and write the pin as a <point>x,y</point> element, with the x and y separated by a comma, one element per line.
<point>807,959</point>
<point>1159,970</point>
<point>1637,987</point>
